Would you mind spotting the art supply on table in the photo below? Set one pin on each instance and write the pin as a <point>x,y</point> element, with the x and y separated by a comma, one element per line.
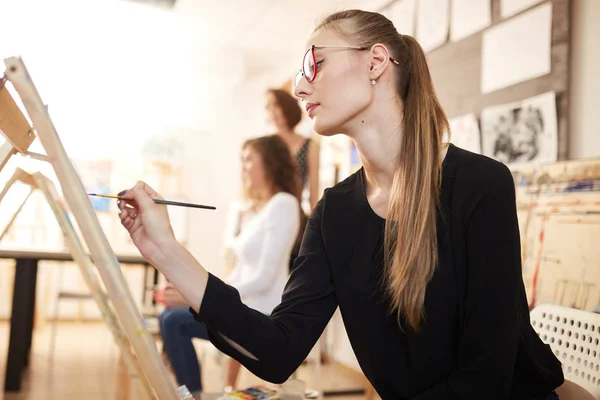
<point>293,389</point>
<point>251,393</point>
<point>184,393</point>
<point>159,201</point>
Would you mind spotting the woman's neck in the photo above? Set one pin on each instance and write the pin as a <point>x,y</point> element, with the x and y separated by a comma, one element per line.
<point>260,197</point>
<point>378,146</point>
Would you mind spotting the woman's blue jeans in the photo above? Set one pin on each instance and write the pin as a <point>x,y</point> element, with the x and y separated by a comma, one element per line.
<point>177,329</point>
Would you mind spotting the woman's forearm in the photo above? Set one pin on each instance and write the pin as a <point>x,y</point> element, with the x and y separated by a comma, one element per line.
<point>178,265</point>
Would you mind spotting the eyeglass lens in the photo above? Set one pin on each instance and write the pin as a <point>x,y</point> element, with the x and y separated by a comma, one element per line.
<point>308,65</point>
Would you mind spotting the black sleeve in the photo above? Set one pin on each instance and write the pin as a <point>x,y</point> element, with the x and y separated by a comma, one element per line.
<point>489,336</point>
<point>281,342</point>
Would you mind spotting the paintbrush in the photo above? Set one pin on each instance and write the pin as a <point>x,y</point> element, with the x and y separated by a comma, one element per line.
<point>158,201</point>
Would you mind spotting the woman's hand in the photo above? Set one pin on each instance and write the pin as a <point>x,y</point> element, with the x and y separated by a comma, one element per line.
<point>148,223</point>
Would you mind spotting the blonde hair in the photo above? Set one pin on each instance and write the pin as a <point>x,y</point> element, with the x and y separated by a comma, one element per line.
<point>410,242</point>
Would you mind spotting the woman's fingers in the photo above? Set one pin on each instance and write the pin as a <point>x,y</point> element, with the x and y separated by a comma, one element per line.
<point>128,215</point>
<point>139,201</point>
<point>131,223</point>
<point>124,204</point>
<point>148,190</point>
<point>140,196</point>
<point>128,223</point>
<point>126,210</point>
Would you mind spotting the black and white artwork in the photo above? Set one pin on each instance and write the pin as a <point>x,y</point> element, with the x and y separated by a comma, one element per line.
<point>523,132</point>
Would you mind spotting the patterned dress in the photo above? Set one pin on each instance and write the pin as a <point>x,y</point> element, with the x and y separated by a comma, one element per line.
<point>302,160</point>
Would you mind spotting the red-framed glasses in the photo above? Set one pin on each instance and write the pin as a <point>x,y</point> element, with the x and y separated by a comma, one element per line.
<point>310,67</point>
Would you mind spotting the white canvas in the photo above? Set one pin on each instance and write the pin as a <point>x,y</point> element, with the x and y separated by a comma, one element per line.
<point>468,17</point>
<point>433,23</point>
<point>517,50</point>
<point>508,8</point>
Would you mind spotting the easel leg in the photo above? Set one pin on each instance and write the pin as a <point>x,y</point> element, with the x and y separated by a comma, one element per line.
<point>6,151</point>
<point>123,380</point>
<point>31,309</point>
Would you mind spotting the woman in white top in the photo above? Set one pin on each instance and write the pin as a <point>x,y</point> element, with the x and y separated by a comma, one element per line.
<point>261,232</point>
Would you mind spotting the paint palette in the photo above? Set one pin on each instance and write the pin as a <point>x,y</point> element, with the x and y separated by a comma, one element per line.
<point>251,393</point>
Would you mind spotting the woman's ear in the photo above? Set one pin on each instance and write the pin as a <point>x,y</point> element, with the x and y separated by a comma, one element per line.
<point>379,61</point>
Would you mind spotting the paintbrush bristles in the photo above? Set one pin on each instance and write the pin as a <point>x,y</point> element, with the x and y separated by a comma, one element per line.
<point>110,196</point>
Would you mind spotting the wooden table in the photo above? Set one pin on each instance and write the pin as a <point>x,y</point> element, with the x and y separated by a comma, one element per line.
<point>23,307</point>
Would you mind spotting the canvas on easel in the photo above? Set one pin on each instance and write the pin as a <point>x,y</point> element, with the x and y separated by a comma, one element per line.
<point>19,136</point>
<point>102,254</point>
<point>13,125</point>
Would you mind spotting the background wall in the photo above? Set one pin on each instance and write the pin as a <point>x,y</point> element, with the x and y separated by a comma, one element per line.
<point>584,129</point>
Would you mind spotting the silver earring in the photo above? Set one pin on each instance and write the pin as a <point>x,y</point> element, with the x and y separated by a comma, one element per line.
<point>373,82</point>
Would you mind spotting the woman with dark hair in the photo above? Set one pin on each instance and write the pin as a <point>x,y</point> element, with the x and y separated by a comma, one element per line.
<point>419,248</point>
<point>261,232</point>
<point>285,114</point>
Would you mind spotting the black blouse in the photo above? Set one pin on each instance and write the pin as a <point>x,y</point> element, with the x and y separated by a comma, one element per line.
<point>476,341</point>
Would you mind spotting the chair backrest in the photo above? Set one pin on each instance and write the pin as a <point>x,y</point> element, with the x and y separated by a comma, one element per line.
<point>572,391</point>
<point>574,336</point>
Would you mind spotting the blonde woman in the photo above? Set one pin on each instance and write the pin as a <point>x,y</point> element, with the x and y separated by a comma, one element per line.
<point>419,248</point>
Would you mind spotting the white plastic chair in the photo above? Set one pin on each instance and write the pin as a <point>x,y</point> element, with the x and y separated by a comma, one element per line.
<point>574,336</point>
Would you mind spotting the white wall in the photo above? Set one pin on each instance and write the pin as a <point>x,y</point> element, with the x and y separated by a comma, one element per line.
<point>213,159</point>
<point>584,132</point>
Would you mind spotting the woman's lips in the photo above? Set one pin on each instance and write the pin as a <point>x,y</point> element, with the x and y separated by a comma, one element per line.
<point>310,108</point>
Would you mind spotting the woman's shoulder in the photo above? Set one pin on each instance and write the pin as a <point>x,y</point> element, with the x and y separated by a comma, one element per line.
<point>349,184</point>
<point>240,206</point>
<point>348,193</point>
<point>283,200</point>
<point>475,173</point>
<point>481,163</point>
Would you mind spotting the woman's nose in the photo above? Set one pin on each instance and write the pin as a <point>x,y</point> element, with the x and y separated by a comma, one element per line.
<point>302,88</point>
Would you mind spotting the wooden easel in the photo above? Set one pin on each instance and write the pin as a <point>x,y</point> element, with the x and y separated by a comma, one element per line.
<point>18,176</point>
<point>38,181</point>
<point>138,344</point>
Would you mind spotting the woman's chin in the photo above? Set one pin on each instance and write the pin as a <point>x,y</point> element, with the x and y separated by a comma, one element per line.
<point>324,129</point>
